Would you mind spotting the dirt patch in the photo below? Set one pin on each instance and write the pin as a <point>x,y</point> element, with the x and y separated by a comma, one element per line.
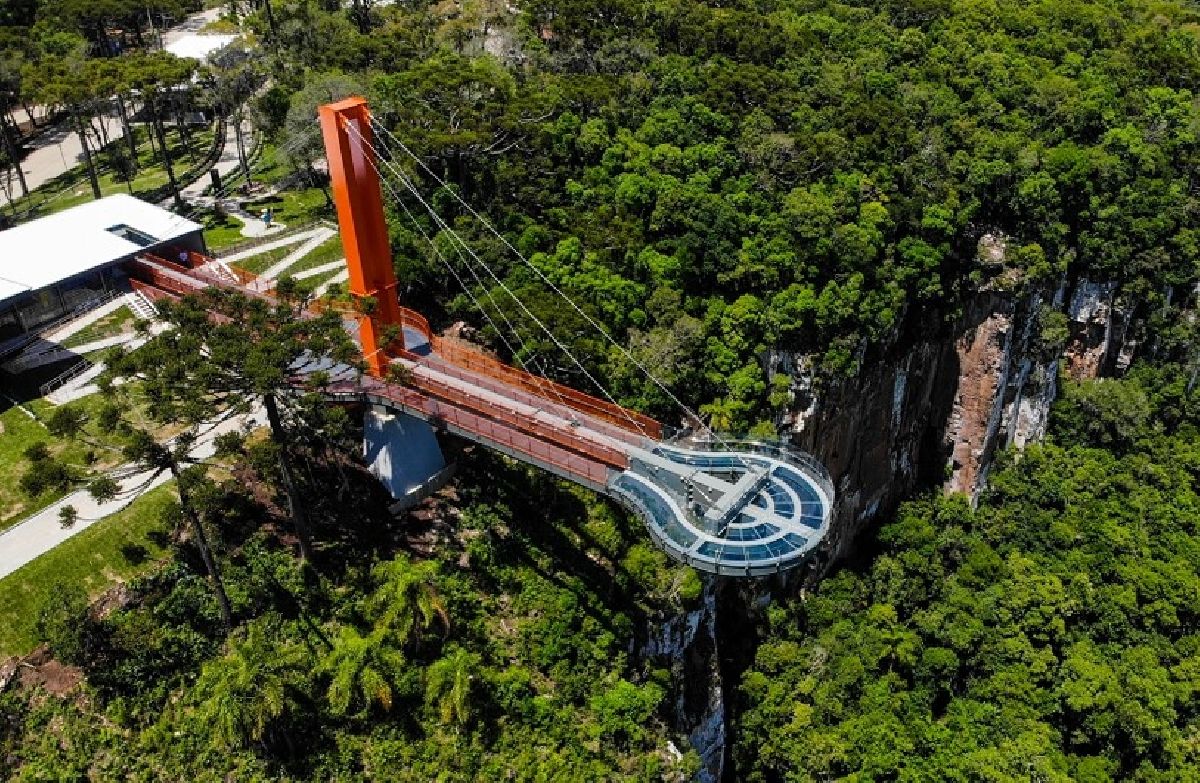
<point>39,670</point>
<point>116,597</point>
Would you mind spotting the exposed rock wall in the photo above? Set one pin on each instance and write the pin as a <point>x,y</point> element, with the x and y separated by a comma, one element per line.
<point>1091,314</point>
<point>686,643</point>
<point>871,431</point>
<point>938,404</point>
<point>932,407</point>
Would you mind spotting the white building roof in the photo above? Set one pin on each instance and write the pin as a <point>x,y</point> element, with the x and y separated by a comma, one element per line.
<point>198,47</point>
<point>51,249</point>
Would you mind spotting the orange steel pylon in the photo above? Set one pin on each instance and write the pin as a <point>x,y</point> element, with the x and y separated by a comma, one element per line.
<point>346,128</point>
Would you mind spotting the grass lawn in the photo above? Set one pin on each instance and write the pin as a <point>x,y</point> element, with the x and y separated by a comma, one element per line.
<point>220,230</point>
<point>20,432</point>
<point>272,167</point>
<point>292,207</point>
<point>117,322</point>
<point>312,283</point>
<point>114,549</point>
<point>257,264</point>
<point>321,254</point>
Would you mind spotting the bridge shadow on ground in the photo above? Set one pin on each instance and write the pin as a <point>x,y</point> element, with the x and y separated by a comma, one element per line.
<point>547,531</point>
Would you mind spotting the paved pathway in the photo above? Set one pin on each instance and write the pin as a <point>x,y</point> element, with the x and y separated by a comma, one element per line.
<point>42,532</point>
<point>61,333</point>
<point>55,152</point>
<point>58,150</point>
<point>192,25</point>
<point>227,164</point>
<point>320,270</point>
<point>318,237</point>
<point>323,288</point>
<point>290,239</point>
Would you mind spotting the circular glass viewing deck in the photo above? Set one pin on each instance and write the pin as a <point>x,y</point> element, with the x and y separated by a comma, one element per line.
<point>750,510</point>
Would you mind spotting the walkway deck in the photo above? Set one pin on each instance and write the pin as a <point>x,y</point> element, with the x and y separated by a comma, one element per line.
<point>742,509</point>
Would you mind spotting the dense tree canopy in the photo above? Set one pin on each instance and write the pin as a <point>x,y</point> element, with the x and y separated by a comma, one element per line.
<point>1050,634</point>
<point>710,182</point>
<point>807,177</point>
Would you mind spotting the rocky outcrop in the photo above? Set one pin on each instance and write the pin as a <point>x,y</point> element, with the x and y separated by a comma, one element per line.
<point>932,406</point>
<point>937,403</point>
<point>686,643</point>
<point>873,432</point>
<point>1091,314</point>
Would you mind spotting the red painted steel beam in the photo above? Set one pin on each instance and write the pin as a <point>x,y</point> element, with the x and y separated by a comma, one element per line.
<point>346,129</point>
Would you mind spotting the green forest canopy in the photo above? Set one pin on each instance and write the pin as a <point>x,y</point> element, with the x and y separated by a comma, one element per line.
<point>795,175</point>
<point>710,182</point>
<point>1052,634</point>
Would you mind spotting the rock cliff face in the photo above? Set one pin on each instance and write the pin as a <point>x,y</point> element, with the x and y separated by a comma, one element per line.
<point>686,643</point>
<point>932,407</point>
<point>937,406</point>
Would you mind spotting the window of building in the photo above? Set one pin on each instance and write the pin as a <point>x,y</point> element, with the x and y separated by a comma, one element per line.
<point>139,238</point>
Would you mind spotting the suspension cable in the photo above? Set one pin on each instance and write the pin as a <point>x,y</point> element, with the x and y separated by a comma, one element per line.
<point>537,370</point>
<point>544,383</point>
<point>438,254</point>
<point>450,231</point>
<point>442,183</point>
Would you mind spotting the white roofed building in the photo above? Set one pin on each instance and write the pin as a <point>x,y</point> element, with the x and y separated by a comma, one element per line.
<point>56,264</point>
<point>198,46</point>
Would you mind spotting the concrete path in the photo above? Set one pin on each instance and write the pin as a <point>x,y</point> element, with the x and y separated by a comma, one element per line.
<point>58,334</point>
<point>192,25</point>
<point>83,386</point>
<point>320,270</point>
<point>59,353</point>
<point>318,237</point>
<point>290,239</point>
<point>57,151</point>
<point>323,288</point>
<point>227,164</point>
<point>42,532</point>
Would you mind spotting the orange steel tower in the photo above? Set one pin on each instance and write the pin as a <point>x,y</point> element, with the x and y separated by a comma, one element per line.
<point>346,129</point>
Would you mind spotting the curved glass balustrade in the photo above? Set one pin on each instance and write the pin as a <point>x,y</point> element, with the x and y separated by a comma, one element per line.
<point>747,510</point>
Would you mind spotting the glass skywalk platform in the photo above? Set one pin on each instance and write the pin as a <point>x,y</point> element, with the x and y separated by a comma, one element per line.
<point>742,509</point>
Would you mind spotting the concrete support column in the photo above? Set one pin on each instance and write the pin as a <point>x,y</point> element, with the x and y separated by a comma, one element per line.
<point>402,452</point>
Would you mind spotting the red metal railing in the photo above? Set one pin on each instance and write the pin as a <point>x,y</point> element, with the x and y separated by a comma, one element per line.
<point>566,438</point>
<point>578,451</point>
<point>177,283</point>
<point>152,293</point>
<point>476,361</point>
<point>414,320</point>
<point>198,259</point>
<point>542,401</point>
<point>481,427</point>
<point>172,265</point>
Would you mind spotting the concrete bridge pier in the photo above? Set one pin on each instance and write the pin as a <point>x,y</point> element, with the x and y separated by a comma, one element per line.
<point>403,452</point>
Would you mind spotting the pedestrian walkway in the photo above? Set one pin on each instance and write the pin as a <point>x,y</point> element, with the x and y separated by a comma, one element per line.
<point>54,153</point>
<point>318,237</point>
<point>43,531</point>
<point>61,333</point>
<point>323,288</point>
<point>266,247</point>
<point>226,165</point>
<point>319,270</point>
